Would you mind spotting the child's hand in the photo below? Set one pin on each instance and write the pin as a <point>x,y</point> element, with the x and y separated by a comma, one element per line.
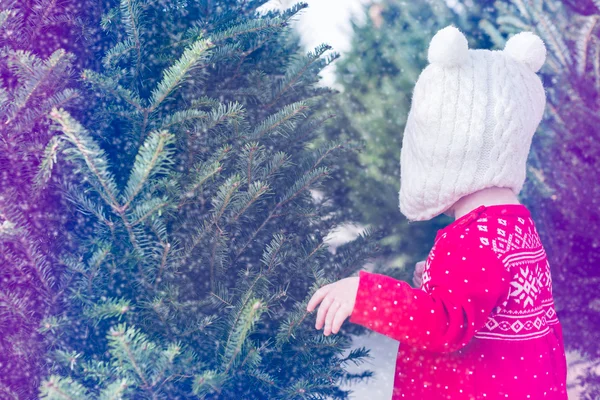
<point>418,275</point>
<point>338,300</point>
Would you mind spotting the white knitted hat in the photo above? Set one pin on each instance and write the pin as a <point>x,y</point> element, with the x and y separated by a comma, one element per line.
<point>473,115</point>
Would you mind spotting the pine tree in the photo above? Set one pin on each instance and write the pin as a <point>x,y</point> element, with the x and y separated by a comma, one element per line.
<point>563,191</point>
<point>35,76</point>
<point>199,242</point>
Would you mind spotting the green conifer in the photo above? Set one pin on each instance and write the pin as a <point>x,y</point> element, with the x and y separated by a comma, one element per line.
<point>199,242</point>
<point>34,78</point>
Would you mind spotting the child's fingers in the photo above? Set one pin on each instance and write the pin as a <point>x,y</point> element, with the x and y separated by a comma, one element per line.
<point>329,317</point>
<point>417,276</point>
<point>325,304</point>
<point>417,281</point>
<point>317,297</point>
<point>340,317</point>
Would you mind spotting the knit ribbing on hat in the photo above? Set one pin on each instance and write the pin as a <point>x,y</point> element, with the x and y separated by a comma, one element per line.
<point>470,127</point>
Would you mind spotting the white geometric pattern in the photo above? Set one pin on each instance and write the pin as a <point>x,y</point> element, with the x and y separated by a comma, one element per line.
<point>528,310</point>
<point>426,277</point>
<point>527,285</point>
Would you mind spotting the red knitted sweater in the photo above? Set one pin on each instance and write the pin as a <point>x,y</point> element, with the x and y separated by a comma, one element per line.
<point>483,324</point>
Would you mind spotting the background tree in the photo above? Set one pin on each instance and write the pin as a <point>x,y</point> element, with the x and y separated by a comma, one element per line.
<point>35,75</point>
<point>199,242</point>
<point>377,77</point>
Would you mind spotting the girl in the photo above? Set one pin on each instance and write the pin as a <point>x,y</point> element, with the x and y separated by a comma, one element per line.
<point>483,323</point>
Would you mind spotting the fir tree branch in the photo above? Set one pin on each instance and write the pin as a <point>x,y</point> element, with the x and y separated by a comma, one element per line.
<point>57,100</point>
<point>245,321</point>
<point>509,20</point>
<point>3,99</point>
<point>115,390</point>
<point>14,305</point>
<point>87,150</point>
<point>303,184</point>
<point>251,150</point>
<point>130,16</point>
<point>231,113</point>
<point>111,86</point>
<point>523,9</point>
<point>270,256</point>
<point>38,76</point>
<point>265,378</point>
<point>220,298</point>
<point>209,381</point>
<point>49,159</point>
<point>176,74</point>
<point>254,233</point>
<point>492,32</point>
<point>582,43</point>
<point>205,172</point>
<point>296,71</point>
<point>8,392</point>
<point>299,187</point>
<point>595,62</point>
<point>59,388</point>
<point>152,159</point>
<point>242,306</point>
<point>116,53</point>
<point>165,361</point>
<point>95,261</point>
<point>38,263</point>
<point>183,117</point>
<point>326,152</point>
<point>163,263</point>
<point>224,196</point>
<point>91,154</point>
<point>86,205</point>
<point>111,308</point>
<point>4,16</point>
<point>215,242</point>
<point>251,27</point>
<point>287,329</point>
<point>47,10</point>
<point>255,191</point>
<point>286,119</point>
<point>121,340</point>
<point>144,210</point>
<point>278,161</point>
<point>555,42</point>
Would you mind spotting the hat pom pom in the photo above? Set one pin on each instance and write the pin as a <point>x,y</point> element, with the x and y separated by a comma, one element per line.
<point>527,48</point>
<point>448,47</point>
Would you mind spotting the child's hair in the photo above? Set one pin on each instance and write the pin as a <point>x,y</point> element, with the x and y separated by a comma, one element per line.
<point>473,115</point>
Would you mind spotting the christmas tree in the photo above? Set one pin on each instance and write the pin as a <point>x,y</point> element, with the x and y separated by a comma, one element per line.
<point>190,175</point>
<point>35,76</point>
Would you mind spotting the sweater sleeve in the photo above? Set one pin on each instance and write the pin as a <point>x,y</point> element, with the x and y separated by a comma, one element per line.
<point>466,283</point>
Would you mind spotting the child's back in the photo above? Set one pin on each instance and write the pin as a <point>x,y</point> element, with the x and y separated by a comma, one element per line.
<point>488,271</point>
<point>525,332</point>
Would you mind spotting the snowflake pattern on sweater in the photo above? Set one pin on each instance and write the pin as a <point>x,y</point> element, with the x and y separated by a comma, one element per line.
<point>483,323</point>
